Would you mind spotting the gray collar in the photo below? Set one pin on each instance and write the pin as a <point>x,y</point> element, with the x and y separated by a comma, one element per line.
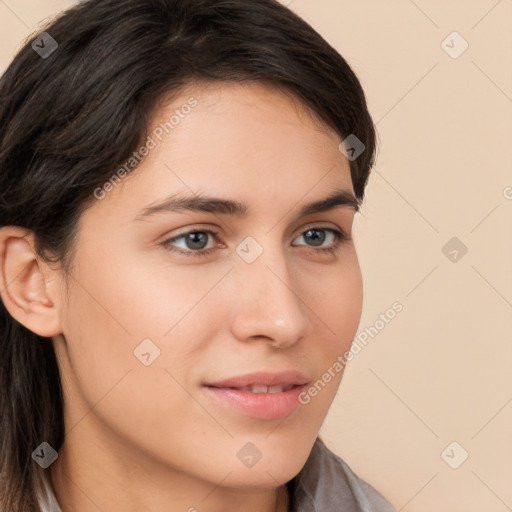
<point>327,484</point>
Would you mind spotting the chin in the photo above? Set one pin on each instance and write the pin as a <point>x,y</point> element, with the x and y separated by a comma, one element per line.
<point>265,478</point>
<point>274,464</point>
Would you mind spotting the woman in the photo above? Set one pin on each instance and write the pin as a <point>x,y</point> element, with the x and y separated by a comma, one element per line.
<point>178,183</point>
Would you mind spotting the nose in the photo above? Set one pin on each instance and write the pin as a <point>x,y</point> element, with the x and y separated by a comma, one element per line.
<point>268,305</point>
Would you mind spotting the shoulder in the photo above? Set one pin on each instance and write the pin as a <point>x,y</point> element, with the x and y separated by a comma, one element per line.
<point>326,482</point>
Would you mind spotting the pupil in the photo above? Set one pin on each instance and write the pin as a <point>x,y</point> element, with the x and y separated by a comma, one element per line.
<point>194,237</point>
<point>318,240</point>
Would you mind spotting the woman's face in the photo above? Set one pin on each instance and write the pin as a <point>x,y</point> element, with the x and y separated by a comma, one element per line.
<point>154,318</point>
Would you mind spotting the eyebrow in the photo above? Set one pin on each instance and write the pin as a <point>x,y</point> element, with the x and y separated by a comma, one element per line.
<point>199,203</point>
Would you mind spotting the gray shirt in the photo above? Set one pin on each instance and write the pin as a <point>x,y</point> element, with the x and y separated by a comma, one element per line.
<point>325,484</point>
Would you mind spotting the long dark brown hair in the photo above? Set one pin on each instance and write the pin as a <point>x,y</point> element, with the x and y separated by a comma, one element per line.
<point>67,121</point>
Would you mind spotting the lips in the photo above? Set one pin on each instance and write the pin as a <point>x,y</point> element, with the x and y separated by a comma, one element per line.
<point>262,395</point>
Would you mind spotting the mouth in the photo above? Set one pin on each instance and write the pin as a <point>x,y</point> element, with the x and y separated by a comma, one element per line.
<point>261,395</point>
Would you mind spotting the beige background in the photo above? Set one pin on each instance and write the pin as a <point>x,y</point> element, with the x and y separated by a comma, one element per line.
<point>440,370</point>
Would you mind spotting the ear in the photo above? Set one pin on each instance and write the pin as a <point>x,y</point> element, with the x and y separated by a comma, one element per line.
<point>28,287</point>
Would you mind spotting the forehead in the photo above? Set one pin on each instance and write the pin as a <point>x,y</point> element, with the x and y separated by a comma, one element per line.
<point>241,120</point>
<point>226,139</point>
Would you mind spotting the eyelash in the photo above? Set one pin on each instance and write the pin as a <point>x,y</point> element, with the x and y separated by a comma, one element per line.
<point>340,237</point>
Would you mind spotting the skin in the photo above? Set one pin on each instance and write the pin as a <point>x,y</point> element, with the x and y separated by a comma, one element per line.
<point>150,437</point>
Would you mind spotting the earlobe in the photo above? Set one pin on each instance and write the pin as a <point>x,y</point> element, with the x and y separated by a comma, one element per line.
<point>27,288</point>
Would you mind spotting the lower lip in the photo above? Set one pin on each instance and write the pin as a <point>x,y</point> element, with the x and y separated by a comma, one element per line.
<point>265,406</point>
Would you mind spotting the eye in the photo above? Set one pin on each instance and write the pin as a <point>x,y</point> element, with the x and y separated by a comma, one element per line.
<point>194,242</point>
<point>319,235</point>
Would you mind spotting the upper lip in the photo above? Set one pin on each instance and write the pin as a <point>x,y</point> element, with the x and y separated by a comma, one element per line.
<point>285,378</point>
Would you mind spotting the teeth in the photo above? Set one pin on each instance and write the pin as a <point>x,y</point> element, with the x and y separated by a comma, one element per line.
<point>259,388</point>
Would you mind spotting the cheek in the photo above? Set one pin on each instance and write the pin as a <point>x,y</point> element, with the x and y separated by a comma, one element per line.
<point>125,301</point>
<point>129,298</point>
<point>336,299</point>
<point>104,323</point>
